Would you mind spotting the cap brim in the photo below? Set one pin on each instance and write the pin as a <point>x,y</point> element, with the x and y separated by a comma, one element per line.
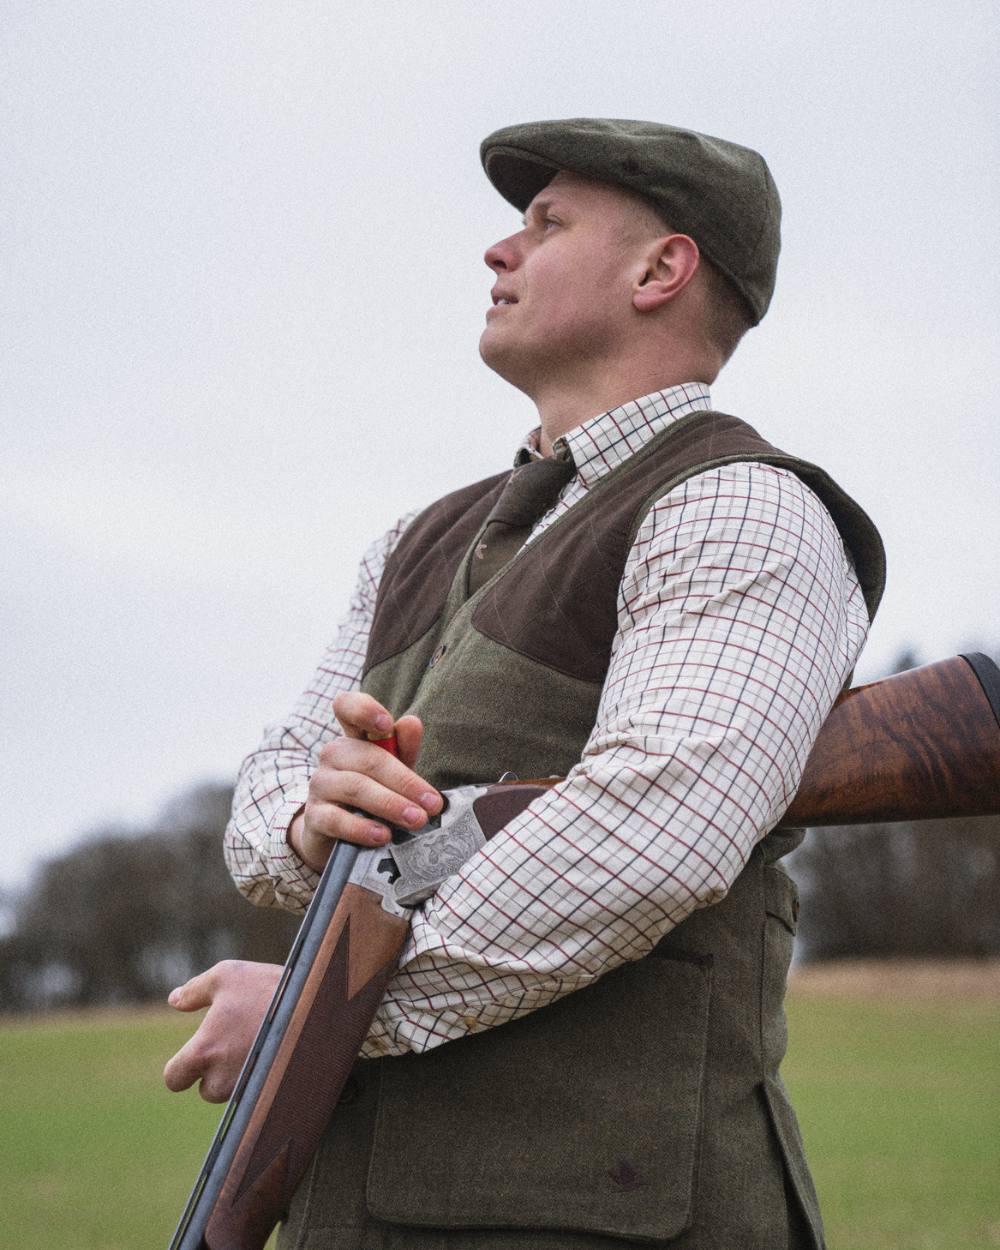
<point>517,175</point>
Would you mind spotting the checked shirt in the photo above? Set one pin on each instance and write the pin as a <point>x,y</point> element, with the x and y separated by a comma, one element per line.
<point>739,620</point>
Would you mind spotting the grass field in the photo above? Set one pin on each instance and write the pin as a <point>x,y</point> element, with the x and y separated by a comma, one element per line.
<point>899,1104</point>
<point>899,1101</point>
<point>95,1153</point>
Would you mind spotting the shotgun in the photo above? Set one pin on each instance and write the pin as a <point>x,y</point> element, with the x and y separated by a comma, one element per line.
<point>922,744</point>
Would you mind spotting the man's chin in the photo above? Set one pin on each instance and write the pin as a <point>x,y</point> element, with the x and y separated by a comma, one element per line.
<point>501,357</point>
<point>490,352</point>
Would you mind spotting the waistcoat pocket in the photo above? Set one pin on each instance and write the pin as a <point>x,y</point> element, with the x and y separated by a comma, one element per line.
<point>584,1115</point>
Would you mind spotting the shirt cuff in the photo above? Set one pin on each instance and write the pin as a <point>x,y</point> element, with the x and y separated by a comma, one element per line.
<point>294,881</point>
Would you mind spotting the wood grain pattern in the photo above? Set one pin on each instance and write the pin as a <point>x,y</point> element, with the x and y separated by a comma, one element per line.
<point>359,952</point>
<point>920,745</point>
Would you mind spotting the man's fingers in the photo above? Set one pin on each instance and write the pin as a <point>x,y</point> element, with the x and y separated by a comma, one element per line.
<point>333,823</point>
<point>409,735</point>
<point>377,807</point>
<point>360,715</point>
<point>184,1068</point>
<point>239,992</point>
<point>190,1063</point>
<point>216,1088</point>
<point>358,790</point>
<point>360,774</point>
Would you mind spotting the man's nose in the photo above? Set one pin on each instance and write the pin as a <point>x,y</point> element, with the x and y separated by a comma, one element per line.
<point>501,256</point>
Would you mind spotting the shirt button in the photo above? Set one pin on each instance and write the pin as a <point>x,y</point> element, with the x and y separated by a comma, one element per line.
<point>438,653</point>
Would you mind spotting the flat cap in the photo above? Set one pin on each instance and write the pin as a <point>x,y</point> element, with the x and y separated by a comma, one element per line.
<point>719,193</point>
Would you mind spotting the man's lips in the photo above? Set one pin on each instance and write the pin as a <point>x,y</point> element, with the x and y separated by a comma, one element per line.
<point>500,300</point>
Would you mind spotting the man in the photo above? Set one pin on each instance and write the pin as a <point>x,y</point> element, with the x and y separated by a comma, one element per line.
<point>581,1046</point>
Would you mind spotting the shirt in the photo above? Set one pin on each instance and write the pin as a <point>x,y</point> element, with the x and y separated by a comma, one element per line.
<point>739,620</point>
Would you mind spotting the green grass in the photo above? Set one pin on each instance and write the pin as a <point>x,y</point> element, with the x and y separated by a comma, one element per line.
<point>899,1104</point>
<point>95,1153</point>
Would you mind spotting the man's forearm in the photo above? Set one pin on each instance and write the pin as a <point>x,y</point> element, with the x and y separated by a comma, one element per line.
<point>729,657</point>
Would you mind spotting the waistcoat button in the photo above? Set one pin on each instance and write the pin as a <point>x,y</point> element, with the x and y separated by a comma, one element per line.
<point>438,653</point>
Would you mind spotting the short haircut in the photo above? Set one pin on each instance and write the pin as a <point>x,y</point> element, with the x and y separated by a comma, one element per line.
<point>729,316</point>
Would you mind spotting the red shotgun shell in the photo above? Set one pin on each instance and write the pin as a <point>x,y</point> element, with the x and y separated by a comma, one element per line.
<point>388,743</point>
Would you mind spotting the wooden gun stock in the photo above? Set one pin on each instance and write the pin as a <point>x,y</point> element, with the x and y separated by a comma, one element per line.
<point>922,744</point>
<point>345,983</point>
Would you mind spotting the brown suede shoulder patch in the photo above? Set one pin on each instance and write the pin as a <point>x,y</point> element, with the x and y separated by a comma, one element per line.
<point>559,606</point>
<point>556,602</point>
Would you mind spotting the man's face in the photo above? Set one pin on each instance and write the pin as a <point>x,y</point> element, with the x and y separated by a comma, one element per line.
<point>562,299</point>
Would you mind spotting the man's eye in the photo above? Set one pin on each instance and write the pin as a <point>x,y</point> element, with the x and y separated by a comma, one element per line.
<point>549,221</point>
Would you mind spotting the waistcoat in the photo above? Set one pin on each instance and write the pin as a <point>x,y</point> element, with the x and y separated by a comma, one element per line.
<point>647,1107</point>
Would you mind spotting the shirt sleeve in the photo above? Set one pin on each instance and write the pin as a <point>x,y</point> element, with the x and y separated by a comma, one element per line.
<point>273,783</point>
<point>740,619</point>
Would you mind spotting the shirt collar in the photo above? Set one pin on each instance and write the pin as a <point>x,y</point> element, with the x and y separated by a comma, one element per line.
<point>602,443</point>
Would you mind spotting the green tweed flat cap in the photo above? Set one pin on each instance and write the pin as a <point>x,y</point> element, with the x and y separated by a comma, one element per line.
<point>719,193</point>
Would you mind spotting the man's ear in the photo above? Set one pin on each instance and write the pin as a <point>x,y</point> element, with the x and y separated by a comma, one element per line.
<point>669,265</point>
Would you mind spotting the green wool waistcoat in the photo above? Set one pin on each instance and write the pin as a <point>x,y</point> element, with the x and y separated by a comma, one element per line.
<point>646,1108</point>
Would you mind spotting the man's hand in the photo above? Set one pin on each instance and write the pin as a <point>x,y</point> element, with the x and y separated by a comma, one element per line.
<point>355,773</point>
<point>237,994</point>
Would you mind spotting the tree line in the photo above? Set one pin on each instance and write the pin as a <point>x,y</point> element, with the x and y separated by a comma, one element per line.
<point>129,913</point>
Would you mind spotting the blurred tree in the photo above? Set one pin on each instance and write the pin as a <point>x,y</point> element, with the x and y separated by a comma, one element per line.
<point>929,889</point>
<point>924,890</point>
<point>126,915</point>
<point>213,919</point>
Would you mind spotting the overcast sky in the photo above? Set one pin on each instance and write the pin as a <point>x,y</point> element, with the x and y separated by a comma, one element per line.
<point>242,287</point>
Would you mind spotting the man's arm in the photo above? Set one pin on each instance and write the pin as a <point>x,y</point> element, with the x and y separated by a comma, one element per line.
<point>293,770</point>
<point>740,619</point>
